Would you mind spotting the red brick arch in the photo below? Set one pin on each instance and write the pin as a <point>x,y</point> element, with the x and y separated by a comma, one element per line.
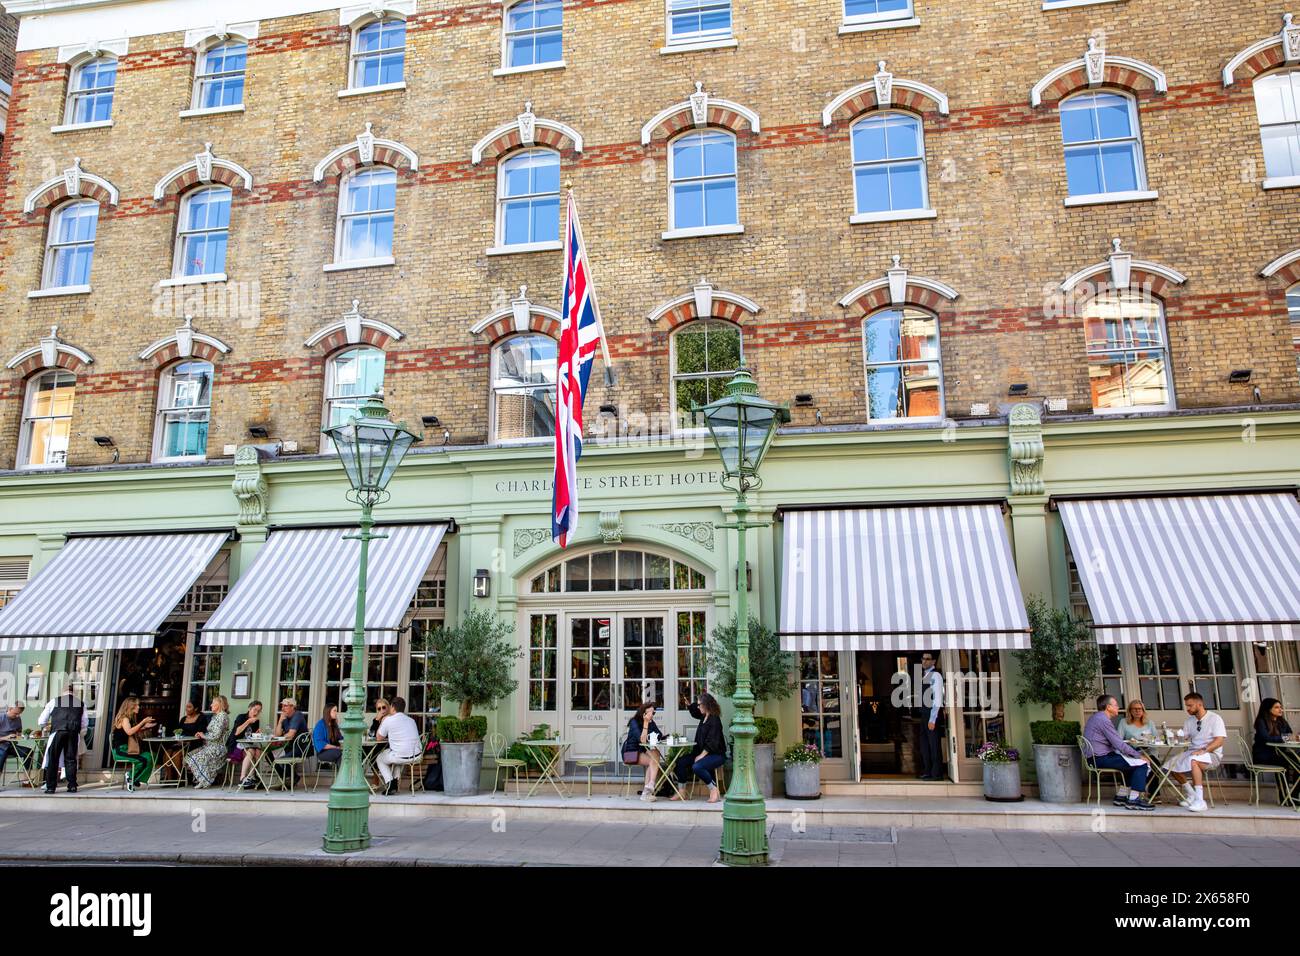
<point>726,311</point>
<point>337,340</point>
<point>36,363</point>
<point>915,296</point>
<point>170,353</point>
<point>504,327</point>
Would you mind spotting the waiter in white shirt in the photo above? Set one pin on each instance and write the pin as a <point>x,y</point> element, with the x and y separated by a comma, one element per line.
<point>932,714</point>
<point>67,719</point>
<point>403,738</point>
<point>1206,732</point>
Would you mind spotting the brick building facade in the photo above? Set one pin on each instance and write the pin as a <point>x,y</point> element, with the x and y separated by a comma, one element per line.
<point>1001,237</point>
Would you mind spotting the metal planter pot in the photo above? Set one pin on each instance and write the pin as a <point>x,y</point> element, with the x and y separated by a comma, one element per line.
<point>764,764</point>
<point>803,781</point>
<point>1060,773</point>
<point>462,765</point>
<point>1002,782</point>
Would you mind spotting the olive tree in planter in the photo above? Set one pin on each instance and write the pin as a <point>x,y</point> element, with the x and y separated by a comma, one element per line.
<point>474,662</point>
<point>1060,668</point>
<point>769,678</point>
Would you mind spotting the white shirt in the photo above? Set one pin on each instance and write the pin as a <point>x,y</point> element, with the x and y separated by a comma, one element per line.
<point>932,682</point>
<point>1211,726</point>
<point>402,735</point>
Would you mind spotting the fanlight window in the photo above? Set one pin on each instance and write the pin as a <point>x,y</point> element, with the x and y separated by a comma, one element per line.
<point>623,570</point>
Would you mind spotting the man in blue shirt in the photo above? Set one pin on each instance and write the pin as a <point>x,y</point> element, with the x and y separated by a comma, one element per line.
<point>932,716</point>
<point>1109,751</point>
<point>292,725</point>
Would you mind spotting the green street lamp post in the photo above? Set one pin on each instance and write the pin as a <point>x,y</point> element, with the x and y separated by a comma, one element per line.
<point>370,448</point>
<point>742,426</point>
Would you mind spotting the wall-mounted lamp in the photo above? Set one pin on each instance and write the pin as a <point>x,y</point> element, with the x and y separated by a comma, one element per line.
<point>1239,376</point>
<point>803,400</point>
<point>1018,389</point>
<point>482,583</point>
<point>259,432</point>
<point>749,577</point>
<point>106,441</point>
<point>609,410</point>
<point>430,421</point>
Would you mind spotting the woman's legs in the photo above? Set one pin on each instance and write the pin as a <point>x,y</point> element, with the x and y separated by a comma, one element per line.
<point>704,768</point>
<point>651,765</point>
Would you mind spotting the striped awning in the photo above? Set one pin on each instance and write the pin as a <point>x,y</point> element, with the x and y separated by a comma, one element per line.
<point>302,588</point>
<point>905,578</point>
<point>1165,570</point>
<point>107,592</point>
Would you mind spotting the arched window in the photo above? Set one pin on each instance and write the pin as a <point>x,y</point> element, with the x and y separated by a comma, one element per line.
<point>219,77</point>
<point>698,21</point>
<point>621,569</point>
<point>523,388</point>
<point>90,91</point>
<point>350,376</point>
<point>533,33</point>
<point>528,198</point>
<point>378,53</point>
<point>702,173</point>
<point>1277,104</point>
<point>367,203</point>
<point>1103,148</point>
<point>47,420</point>
<point>70,245</point>
<point>904,370</point>
<point>705,356</point>
<point>888,164</point>
<point>184,407</point>
<point>1128,356</point>
<point>202,232</point>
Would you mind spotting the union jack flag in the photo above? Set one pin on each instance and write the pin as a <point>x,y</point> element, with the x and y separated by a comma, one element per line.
<point>580,336</point>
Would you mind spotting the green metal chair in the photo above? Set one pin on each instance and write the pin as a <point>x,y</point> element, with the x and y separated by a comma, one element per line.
<point>497,745</point>
<point>126,767</point>
<point>290,758</point>
<point>591,763</point>
<point>1093,770</point>
<point>1257,770</point>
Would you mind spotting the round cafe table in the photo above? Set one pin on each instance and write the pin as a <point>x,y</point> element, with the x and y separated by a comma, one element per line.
<point>1289,751</point>
<point>169,758</point>
<point>670,753</point>
<point>258,747</point>
<point>28,752</point>
<point>1162,752</point>
<point>551,753</point>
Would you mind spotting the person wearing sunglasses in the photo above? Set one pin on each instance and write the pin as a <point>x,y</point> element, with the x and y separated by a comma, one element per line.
<point>1206,733</point>
<point>381,711</point>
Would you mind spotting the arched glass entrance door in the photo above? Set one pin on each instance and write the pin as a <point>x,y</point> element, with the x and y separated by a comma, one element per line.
<point>605,630</point>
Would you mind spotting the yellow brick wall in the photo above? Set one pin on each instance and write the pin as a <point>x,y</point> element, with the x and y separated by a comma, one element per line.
<point>1001,238</point>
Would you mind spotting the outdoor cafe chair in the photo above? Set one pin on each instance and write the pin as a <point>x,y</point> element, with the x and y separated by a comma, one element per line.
<point>1093,770</point>
<point>292,757</point>
<point>1257,770</point>
<point>320,767</point>
<point>601,759</point>
<point>511,765</point>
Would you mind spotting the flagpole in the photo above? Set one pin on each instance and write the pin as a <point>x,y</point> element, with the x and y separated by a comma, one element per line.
<point>591,285</point>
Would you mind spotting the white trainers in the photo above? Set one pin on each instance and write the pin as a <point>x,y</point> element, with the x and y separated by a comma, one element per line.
<point>1198,806</point>
<point>1189,796</point>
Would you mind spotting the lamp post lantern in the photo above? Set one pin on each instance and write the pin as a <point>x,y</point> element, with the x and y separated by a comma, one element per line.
<point>742,426</point>
<point>370,448</point>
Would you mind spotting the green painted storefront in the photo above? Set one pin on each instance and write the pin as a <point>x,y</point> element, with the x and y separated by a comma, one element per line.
<point>656,504</point>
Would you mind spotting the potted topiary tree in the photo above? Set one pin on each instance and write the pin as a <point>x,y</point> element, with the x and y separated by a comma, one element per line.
<point>1060,668</point>
<point>474,661</point>
<point>769,679</point>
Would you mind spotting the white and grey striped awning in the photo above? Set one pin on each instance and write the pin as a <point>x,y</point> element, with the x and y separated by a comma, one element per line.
<point>900,578</point>
<point>1164,570</point>
<point>302,588</point>
<point>107,592</point>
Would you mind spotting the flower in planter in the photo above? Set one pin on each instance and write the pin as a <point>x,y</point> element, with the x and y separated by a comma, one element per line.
<point>995,751</point>
<point>803,753</point>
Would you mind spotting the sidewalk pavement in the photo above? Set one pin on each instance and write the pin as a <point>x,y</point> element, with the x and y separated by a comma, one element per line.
<point>247,839</point>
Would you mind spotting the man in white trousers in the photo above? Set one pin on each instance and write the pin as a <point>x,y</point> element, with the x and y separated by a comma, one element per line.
<point>1206,733</point>
<point>403,738</point>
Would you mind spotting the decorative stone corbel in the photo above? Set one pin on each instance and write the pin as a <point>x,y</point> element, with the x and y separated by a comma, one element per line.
<point>527,125</point>
<point>366,146</point>
<point>521,310</point>
<point>50,347</point>
<point>1025,449</point>
<point>203,164</point>
<point>897,282</point>
<point>1121,265</point>
<point>185,338</point>
<point>700,106</point>
<point>352,323</point>
<point>884,81</point>
<point>1290,39</point>
<point>611,527</point>
<point>72,178</point>
<point>1094,61</point>
<point>703,299</point>
<point>250,487</point>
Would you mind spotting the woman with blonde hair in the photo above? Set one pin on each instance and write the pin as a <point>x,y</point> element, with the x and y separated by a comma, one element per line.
<point>208,762</point>
<point>1134,723</point>
<point>126,742</point>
